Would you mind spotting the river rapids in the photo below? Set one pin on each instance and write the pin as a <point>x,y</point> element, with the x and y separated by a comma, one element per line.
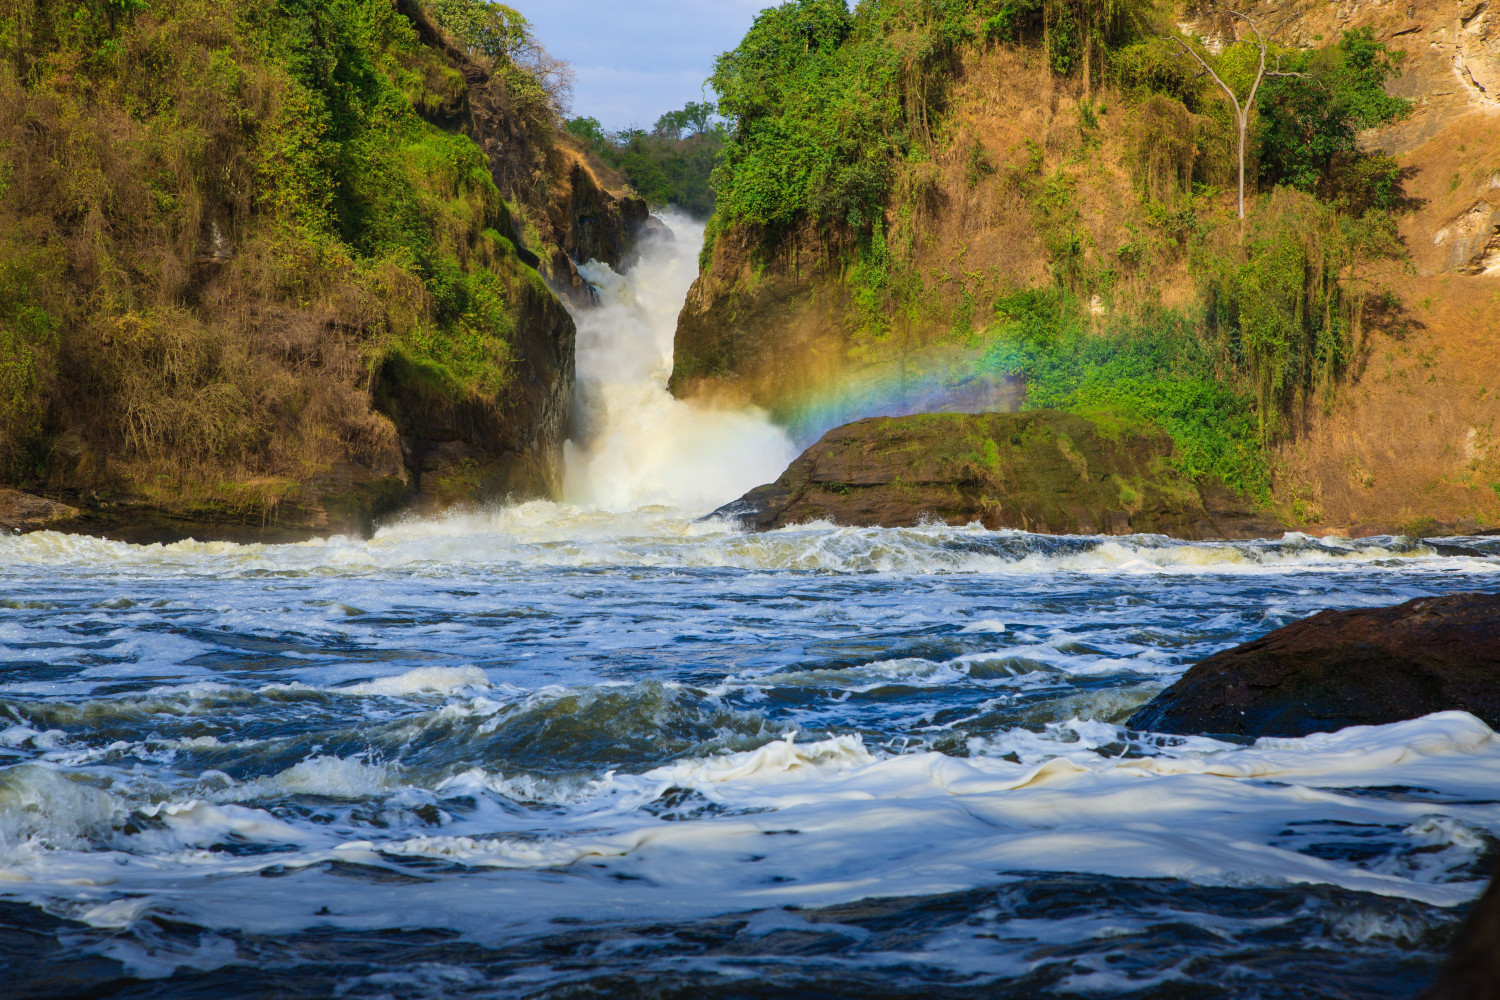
<point>602,748</point>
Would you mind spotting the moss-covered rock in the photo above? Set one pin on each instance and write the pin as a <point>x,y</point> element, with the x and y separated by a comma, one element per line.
<point>1042,471</point>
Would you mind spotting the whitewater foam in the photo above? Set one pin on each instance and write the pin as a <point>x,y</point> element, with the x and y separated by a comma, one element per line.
<point>635,445</point>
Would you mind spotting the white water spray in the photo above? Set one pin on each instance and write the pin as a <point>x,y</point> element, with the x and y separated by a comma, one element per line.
<point>634,444</point>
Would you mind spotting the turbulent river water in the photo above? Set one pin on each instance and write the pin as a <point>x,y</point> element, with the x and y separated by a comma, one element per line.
<point>605,749</point>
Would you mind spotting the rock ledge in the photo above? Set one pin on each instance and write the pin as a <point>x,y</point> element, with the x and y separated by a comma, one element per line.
<point>1368,667</point>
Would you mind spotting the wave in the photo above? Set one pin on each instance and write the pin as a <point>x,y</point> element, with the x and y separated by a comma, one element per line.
<point>548,535</point>
<point>1405,811</point>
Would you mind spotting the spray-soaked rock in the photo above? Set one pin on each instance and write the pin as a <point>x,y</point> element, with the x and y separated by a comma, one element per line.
<point>1367,667</point>
<point>1043,471</point>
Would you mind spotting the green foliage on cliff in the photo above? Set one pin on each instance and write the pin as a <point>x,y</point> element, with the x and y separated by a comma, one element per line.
<point>241,211</point>
<point>493,30</point>
<point>817,117</point>
<point>1309,125</point>
<point>1075,35</point>
<point>827,103</point>
<point>669,165</point>
<point>539,85</point>
<point>1286,303</point>
<point>28,346</point>
<point>1154,369</point>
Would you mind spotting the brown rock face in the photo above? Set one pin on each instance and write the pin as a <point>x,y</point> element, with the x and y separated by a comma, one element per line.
<point>22,512</point>
<point>1344,668</point>
<point>1041,471</point>
<point>760,333</point>
<point>1474,971</point>
<point>465,449</point>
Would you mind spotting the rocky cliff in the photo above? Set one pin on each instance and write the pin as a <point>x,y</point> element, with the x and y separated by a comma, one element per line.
<point>465,448</point>
<point>1035,178</point>
<point>1411,445</point>
<point>275,272</point>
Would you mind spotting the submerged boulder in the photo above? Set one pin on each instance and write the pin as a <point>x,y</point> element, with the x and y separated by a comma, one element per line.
<point>1041,471</point>
<point>1367,667</point>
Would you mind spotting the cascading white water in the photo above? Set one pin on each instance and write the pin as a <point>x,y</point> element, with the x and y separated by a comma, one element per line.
<point>634,444</point>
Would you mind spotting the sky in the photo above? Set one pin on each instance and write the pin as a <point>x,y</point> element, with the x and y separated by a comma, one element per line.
<point>637,60</point>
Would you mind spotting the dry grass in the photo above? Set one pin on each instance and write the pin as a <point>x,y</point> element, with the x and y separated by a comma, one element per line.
<point>219,306</point>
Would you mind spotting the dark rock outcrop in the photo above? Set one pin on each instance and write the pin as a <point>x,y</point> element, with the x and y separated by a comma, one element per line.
<point>1366,667</point>
<point>22,512</point>
<point>1041,471</point>
<point>463,448</point>
<point>1473,973</point>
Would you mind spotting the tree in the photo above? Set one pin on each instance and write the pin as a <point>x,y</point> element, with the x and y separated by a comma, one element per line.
<point>664,166</point>
<point>502,35</point>
<point>694,119</point>
<point>489,29</point>
<point>1241,111</point>
<point>1309,126</point>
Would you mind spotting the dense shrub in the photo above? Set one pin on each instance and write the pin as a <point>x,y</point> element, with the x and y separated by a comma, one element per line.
<point>1287,302</point>
<point>539,83</point>
<point>1309,125</point>
<point>816,118</point>
<point>28,346</point>
<point>1154,369</point>
<point>825,104</point>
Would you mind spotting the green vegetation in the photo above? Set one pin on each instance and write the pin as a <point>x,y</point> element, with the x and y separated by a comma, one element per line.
<point>1309,124</point>
<point>827,105</point>
<point>671,164</point>
<point>1075,35</point>
<point>839,117</point>
<point>538,85</point>
<point>824,103</point>
<point>28,347</point>
<point>1155,369</point>
<point>1287,301</point>
<point>218,217</point>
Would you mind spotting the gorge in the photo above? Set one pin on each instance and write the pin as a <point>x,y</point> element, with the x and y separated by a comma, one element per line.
<point>1107,605</point>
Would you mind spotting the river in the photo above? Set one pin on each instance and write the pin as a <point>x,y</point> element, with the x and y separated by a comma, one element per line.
<point>604,748</point>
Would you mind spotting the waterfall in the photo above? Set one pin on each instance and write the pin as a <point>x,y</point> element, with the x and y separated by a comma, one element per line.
<point>634,445</point>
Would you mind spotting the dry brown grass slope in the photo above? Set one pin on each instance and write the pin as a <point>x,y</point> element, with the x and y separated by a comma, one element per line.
<point>1023,164</point>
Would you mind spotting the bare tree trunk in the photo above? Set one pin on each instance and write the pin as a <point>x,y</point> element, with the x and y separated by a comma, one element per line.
<point>1244,134</point>
<point>1241,112</point>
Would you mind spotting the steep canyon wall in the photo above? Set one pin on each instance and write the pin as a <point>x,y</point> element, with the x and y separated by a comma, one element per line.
<point>1038,179</point>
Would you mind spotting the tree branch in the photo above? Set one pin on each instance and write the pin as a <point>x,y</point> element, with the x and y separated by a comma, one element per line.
<point>1210,71</point>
